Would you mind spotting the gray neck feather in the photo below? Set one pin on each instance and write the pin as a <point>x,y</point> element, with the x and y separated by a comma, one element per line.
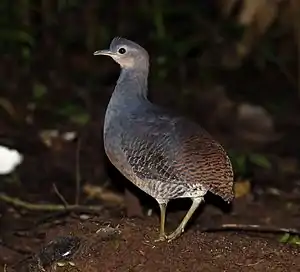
<point>132,84</point>
<point>130,92</point>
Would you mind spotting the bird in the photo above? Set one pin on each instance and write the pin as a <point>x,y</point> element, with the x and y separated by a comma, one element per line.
<point>9,160</point>
<point>165,154</point>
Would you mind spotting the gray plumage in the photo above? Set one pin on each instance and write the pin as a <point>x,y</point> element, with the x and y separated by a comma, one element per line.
<point>165,155</point>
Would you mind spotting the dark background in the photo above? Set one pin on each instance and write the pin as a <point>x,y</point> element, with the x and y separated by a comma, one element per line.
<point>210,60</point>
<point>232,66</point>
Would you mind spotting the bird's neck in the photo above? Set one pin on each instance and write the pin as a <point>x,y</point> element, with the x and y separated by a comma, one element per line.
<point>130,92</point>
<point>132,84</point>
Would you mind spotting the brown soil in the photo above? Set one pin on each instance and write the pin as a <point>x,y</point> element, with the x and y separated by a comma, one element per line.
<point>123,244</point>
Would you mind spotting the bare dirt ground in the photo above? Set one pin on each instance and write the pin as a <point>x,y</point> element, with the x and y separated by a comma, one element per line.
<point>111,242</point>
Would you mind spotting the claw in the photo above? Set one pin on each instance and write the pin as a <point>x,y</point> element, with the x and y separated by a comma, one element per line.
<point>174,235</point>
<point>161,238</point>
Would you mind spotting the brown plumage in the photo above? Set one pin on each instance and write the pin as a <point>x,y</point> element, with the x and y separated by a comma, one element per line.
<point>204,161</point>
<point>165,155</point>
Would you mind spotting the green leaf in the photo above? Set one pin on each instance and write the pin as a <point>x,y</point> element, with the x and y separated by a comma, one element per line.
<point>295,240</point>
<point>69,110</point>
<point>284,238</point>
<point>290,239</point>
<point>241,162</point>
<point>80,118</point>
<point>16,35</point>
<point>260,160</point>
<point>26,53</point>
<point>75,114</point>
<point>39,90</point>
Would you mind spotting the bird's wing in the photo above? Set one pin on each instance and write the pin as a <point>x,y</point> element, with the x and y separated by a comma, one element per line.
<point>172,149</point>
<point>148,149</point>
<point>204,160</point>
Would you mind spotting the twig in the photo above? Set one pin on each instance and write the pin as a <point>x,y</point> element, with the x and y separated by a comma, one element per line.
<point>61,197</point>
<point>251,264</point>
<point>47,207</point>
<point>252,228</point>
<point>77,169</point>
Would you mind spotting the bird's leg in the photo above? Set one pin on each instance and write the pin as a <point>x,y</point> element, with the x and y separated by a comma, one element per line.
<point>180,228</point>
<point>162,234</point>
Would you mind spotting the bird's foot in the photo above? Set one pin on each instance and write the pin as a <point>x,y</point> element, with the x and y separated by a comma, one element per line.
<point>162,238</point>
<point>174,234</point>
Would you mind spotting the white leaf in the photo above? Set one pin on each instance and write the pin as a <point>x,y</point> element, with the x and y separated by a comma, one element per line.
<point>9,160</point>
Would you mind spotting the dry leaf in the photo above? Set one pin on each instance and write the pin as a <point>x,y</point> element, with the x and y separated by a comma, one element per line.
<point>242,188</point>
<point>8,107</point>
<point>105,195</point>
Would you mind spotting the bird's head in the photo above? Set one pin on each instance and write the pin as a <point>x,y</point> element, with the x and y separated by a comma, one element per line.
<point>127,54</point>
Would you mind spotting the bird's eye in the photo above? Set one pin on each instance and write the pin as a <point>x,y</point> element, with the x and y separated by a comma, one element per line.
<point>122,50</point>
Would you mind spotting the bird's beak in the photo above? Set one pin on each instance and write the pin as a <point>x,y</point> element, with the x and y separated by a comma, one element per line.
<point>103,52</point>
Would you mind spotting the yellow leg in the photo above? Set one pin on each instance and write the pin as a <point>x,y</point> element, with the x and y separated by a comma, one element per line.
<point>180,228</point>
<point>162,234</point>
